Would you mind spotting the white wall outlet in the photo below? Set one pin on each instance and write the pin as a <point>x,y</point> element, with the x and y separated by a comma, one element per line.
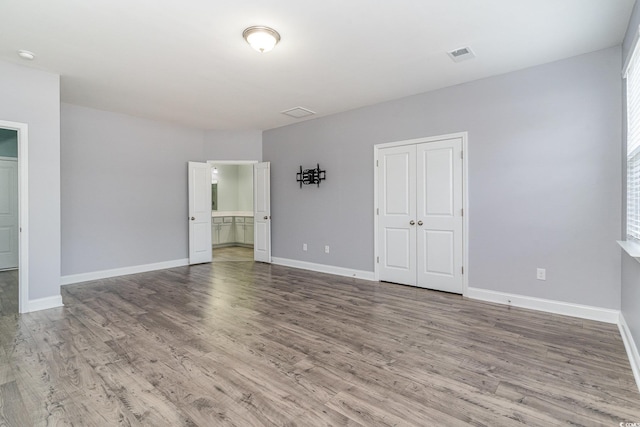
<point>304,247</point>
<point>541,274</point>
<point>326,249</point>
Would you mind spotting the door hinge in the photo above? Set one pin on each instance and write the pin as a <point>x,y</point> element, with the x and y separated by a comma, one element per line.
<point>378,259</point>
<point>462,154</point>
<point>462,212</point>
<point>377,211</point>
<point>377,163</point>
<point>462,268</point>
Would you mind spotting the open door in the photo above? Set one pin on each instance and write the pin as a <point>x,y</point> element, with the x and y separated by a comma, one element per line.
<point>199,213</point>
<point>8,213</point>
<point>262,212</point>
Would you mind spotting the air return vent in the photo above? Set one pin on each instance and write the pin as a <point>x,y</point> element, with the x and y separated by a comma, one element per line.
<point>461,54</point>
<point>298,112</point>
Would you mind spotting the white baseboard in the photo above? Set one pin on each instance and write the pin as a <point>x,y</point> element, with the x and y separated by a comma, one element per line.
<point>549,306</point>
<point>44,303</point>
<point>322,268</point>
<point>631,347</point>
<point>103,274</point>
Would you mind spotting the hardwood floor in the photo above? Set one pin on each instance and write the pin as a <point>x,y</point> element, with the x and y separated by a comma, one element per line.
<point>8,292</point>
<point>250,344</point>
<point>232,253</point>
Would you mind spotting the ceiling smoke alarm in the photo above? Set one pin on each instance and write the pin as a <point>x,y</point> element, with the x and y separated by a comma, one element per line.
<point>461,54</point>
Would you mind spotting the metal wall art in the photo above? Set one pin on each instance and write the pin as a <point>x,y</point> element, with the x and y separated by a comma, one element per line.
<point>311,176</point>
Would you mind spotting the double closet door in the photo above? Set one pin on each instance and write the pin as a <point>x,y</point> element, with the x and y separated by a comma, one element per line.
<point>420,225</point>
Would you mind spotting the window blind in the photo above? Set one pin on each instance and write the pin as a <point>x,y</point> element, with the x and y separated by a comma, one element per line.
<point>633,145</point>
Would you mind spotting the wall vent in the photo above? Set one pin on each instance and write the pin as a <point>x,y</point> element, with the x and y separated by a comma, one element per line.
<point>298,112</point>
<point>461,54</point>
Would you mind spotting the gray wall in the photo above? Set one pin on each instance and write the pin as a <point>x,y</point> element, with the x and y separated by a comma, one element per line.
<point>235,187</point>
<point>124,189</point>
<point>233,145</point>
<point>544,178</point>
<point>227,187</point>
<point>8,143</point>
<point>124,186</point>
<point>245,188</point>
<point>33,97</point>
<point>630,292</point>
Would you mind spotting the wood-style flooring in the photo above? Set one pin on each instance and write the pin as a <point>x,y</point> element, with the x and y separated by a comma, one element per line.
<point>232,253</point>
<point>8,292</point>
<point>250,344</point>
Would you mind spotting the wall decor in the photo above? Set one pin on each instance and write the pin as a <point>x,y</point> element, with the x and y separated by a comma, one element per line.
<point>311,176</point>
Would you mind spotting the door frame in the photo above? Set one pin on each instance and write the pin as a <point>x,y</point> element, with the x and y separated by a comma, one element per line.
<point>23,212</point>
<point>465,198</point>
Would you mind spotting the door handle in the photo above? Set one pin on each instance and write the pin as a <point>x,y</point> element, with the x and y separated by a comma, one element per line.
<point>420,222</point>
<point>193,218</point>
<point>266,217</point>
<point>412,222</point>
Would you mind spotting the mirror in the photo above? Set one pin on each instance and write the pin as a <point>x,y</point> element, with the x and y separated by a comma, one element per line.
<point>214,197</point>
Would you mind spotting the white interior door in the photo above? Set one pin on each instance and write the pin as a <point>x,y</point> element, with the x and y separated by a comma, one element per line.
<point>396,214</point>
<point>439,215</point>
<point>199,213</point>
<point>420,223</point>
<point>262,212</point>
<point>8,214</point>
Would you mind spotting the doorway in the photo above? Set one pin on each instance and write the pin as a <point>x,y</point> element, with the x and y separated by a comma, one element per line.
<point>232,220</point>
<point>245,228</point>
<point>420,224</point>
<point>13,218</point>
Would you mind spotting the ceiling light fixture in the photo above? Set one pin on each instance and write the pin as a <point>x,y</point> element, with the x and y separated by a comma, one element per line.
<point>25,54</point>
<point>262,39</point>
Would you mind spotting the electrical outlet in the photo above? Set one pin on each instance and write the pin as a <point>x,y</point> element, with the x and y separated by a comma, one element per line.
<point>541,274</point>
<point>326,249</point>
<point>304,247</point>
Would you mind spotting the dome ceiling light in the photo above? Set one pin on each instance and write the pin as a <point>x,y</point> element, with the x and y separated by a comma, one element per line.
<point>262,39</point>
<point>25,54</point>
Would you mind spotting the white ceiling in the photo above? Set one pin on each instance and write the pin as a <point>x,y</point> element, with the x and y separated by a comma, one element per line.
<point>186,61</point>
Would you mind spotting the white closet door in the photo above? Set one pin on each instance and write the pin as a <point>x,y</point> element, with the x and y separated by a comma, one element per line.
<point>8,214</point>
<point>439,215</point>
<point>397,211</point>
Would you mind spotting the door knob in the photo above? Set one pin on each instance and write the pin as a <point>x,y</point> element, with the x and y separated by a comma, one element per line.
<point>420,222</point>
<point>412,222</point>
<point>266,217</point>
<point>193,218</point>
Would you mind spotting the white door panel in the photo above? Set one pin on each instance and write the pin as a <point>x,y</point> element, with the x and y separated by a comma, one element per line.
<point>397,248</point>
<point>439,215</point>
<point>199,213</point>
<point>437,176</point>
<point>397,207</point>
<point>262,212</point>
<point>397,190</point>
<point>8,214</point>
<point>439,249</point>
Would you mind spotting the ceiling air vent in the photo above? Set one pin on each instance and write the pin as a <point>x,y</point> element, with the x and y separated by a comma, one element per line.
<point>298,112</point>
<point>461,54</point>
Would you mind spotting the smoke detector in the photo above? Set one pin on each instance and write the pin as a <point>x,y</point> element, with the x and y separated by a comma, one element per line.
<point>298,112</point>
<point>461,54</point>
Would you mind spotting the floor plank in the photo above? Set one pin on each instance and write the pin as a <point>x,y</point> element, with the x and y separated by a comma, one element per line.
<point>240,343</point>
<point>8,292</point>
